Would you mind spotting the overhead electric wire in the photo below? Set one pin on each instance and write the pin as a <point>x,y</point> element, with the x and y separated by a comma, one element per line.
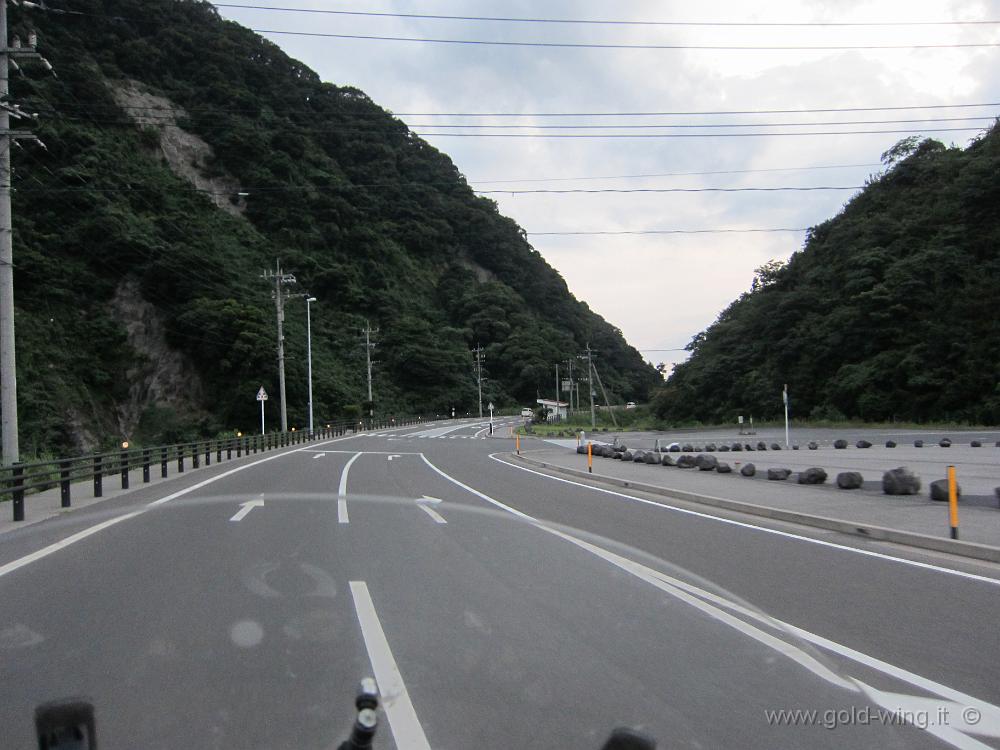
<point>687,135</point>
<point>558,191</point>
<point>613,232</point>
<point>670,174</point>
<point>638,46</point>
<point>601,22</point>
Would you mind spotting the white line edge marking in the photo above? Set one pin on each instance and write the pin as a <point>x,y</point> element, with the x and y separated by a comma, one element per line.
<point>744,524</point>
<point>342,516</point>
<point>56,546</point>
<point>673,587</point>
<point>438,518</point>
<point>403,721</point>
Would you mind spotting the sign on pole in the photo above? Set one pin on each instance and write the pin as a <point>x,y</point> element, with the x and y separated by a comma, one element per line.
<point>262,397</point>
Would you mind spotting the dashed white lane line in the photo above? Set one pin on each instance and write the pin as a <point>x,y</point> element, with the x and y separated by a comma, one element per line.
<point>342,516</point>
<point>403,721</point>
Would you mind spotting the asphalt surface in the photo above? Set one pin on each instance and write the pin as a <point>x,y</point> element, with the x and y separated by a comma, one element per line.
<point>240,606</point>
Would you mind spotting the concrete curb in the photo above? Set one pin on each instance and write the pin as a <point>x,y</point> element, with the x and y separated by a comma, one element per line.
<point>912,539</point>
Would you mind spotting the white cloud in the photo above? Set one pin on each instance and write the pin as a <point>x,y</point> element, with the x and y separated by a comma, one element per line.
<point>661,290</point>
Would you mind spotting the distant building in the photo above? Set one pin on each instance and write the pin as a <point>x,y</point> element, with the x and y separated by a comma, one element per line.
<point>555,411</point>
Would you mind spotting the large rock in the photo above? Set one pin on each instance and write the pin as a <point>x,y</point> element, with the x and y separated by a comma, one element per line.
<point>945,442</point>
<point>723,468</point>
<point>581,448</point>
<point>976,444</point>
<point>667,461</point>
<point>607,451</point>
<point>939,490</point>
<point>747,447</point>
<point>687,448</point>
<point>900,481</point>
<point>890,443</point>
<point>795,446</point>
<point>627,455</point>
<point>918,443</point>
<point>639,456</point>
<point>813,445</point>
<point>674,447</point>
<point>697,449</point>
<point>839,444</point>
<point>850,480</point>
<point>705,462</point>
<point>686,461</point>
<point>814,475</point>
<point>775,447</point>
<point>748,470</point>
<point>652,457</point>
<point>737,447</point>
<point>761,446</point>
<point>778,475</point>
<point>723,448</point>
<point>863,444</point>
<point>711,448</point>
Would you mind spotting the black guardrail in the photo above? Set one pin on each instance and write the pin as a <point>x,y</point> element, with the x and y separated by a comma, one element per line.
<point>23,479</point>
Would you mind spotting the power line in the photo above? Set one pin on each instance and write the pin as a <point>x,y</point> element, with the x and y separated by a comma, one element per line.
<point>596,45</point>
<point>557,191</point>
<point>603,22</point>
<point>689,135</point>
<point>493,126</point>
<point>672,174</point>
<point>614,232</point>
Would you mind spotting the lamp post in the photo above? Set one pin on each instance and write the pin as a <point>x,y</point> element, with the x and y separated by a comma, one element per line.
<point>309,359</point>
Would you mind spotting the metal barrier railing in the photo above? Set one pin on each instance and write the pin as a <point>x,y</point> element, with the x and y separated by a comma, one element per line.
<point>24,479</point>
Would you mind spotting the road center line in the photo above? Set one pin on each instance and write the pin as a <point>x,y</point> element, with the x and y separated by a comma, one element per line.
<point>403,721</point>
<point>342,490</point>
<point>765,529</point>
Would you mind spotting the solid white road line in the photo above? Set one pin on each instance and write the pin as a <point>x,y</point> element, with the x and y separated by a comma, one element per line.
<point>342,490</point>
<point>46,551</point>
<point>245,509</point>
<point>422,504</point>
<point>403,721</point>
<point>951,735</point>
<point>744,524</point>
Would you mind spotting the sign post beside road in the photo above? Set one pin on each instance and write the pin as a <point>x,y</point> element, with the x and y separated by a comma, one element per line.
<point>491,418</point>
<point>784,397</point>
<point>262,397</point>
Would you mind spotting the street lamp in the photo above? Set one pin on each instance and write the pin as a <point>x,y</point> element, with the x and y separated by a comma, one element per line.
<point>309,359</point>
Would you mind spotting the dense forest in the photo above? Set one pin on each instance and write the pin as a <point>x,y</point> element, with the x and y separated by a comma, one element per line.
<point>185,154</point>
<point>888,313</point>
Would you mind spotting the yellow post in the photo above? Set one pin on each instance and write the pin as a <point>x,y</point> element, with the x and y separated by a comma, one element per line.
<point>517,445</point>
<point>590,458</point>
<point>953,502</point>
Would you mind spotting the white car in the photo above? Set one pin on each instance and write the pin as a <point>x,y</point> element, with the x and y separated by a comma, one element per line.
<point>630,405</point>
<point>526,412</point>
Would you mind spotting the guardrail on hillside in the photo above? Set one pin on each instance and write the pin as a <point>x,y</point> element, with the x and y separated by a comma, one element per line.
<point>22,479</point>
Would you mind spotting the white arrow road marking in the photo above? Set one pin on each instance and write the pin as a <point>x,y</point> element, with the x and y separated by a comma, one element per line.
<point>394,455</point>
<point>403,721</point>
<point>245,509</point>
<point>319,455</point>
<point>423,504</point>
<point>342,491</point>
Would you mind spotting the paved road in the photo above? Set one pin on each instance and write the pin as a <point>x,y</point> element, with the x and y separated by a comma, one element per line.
<point>238,607</point>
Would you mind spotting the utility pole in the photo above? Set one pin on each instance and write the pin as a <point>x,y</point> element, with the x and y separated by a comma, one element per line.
<point>280,280</point>
<point>478,351</point>
<point>590,386</point>
<point>369,345</point>
<point>309,359</point>
<point>10,49</point>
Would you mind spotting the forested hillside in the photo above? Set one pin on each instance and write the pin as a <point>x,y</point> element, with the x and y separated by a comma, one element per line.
<point>889,311</point>
<point>185,154</point>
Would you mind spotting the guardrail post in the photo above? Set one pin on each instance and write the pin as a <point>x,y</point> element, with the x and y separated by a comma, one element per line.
<point>229,449</point>
<point>145,465</point>
<point>64,486</point>
<point>180,459</point>
<point>218,451</point>
<point>98,477</point>
<point>255,443</point>
<point>208,453</point>
<point>17,499</point>
<point>123,467</point>
<point>163,463</point>
<point>195,458</point>
<point>239,447</point>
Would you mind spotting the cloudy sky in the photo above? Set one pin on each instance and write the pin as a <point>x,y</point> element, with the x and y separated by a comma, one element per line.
<point>660,289</point>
